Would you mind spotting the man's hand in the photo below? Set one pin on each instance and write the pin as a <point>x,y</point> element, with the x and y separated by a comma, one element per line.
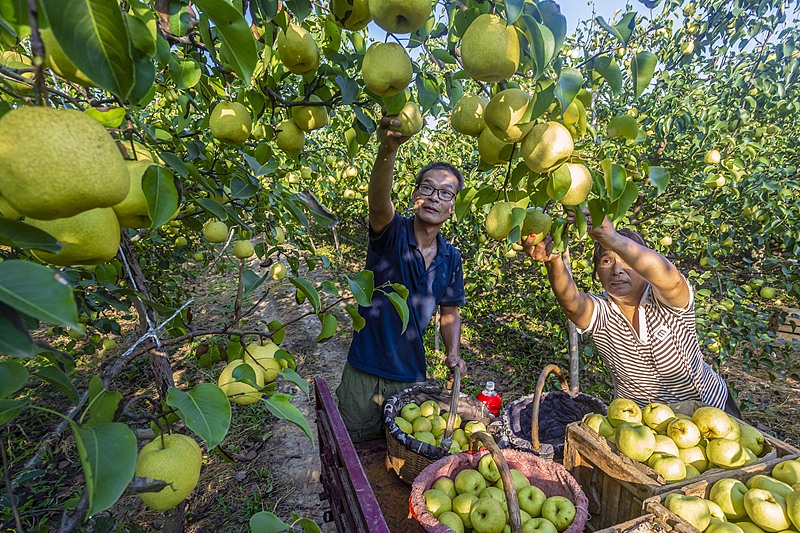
<point>389,134</point>
<point>542,251</point>
<point>453,361</point>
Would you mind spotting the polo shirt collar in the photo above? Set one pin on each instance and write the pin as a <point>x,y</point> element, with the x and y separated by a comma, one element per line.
<point>442,250</point>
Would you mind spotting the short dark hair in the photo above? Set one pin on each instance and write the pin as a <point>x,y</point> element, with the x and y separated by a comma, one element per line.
<point>440,165</point>
<point>598,248</point>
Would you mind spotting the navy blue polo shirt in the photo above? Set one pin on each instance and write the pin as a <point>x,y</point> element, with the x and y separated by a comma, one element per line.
<point>379,348</point>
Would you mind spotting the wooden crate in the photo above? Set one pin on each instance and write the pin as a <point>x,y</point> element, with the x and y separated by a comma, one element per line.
<point>618,486</point>
<point>648,523</point>
<point>702,488</point>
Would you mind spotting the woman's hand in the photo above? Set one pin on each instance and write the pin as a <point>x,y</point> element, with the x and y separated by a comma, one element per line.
<point>602,232</point>
<point>542,251</point>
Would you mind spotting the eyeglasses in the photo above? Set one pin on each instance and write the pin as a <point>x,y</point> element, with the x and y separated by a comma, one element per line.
<point>443,194</point>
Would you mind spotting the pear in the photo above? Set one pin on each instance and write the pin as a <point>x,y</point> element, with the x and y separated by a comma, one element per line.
<point>351,15</point>
<point>400,16</point>
<point>230,122</point>
<point>58,162</point>
<point>492,150</point>
<point>89,238</point>
<point>467,116</point>
<point>490,49</point>
<point>386,69</point>
<point>289,137</point>
<point>411,121</point>
<point>174,458</point>
<point>132,211</point>
<point>59,62</point>
<point>297,50</point>
<point>310,117</point>
<point>499,220</point>
<point>580,187</point>
<point>18,61</point>
<point>547,146</point>
<point>536,221</point>
<point>505,111</point>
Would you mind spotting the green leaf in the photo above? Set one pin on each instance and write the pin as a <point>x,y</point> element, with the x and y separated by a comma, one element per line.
<point>110,118</point>
<point>394,104</point>
<point>38,292</point>
<point>94,36</point>
<point>205,409</point>
<point>185,74</point>
<point>555,21</point>
<point>56,377</point>
<point>428,91</point>
<point>278,331</point>
<point>329,324</point>
<point>560,182</point>
<point>513,10</point>
<point>102,403</point>
<point>266,522</point>
<point>283,355</point>
<point>245,374</point>
<point>362,285</point>
<point>309,290</point>
<point>623,125</point>
<point>597,210</point>
<point>622,30</point>
<point>659,176</point>
<point>607,67</point>
<point>9,409</point>
<point>615,178</point>
<point>251,281</point>
<point>545,92</point>
<point>17,234</point>
<point>308,525</point>
<point>464,201</point>
<point>142,27</point>
<point>235,33</point>
<point>242,189</point>
<point>13,377</point>
<point>349,89</point>
<point>643,67</point>
<point>626,199</point>
<point>108,456</point>
<point>358,320</point>
<point>290,375</point>
<point>175,162</point>
<point>14,341</point>
<point>400,289</point>
<point>279,406</point>
<point>158,185</point>
<point>569,83</point>
<point>401,307</point>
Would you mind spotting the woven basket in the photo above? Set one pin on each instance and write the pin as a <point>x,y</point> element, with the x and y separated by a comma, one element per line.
<point>552,478</point>
<point>523,437</point>
<point>408,456</point>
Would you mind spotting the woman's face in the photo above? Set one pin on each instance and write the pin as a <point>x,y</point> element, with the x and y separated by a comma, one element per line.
<point>619,280</point>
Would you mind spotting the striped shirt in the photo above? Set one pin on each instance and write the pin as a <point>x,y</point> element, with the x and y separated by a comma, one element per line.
<point>662,363</point>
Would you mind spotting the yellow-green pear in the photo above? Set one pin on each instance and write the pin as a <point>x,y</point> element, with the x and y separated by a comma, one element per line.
<point>536,222</point>
<point>500,221</point>
<point>467,116</point>
<point>580,187</point>
<point>297,50</point>
<point>59,62</point>
<point>386,69</point>
<point>310,117</point>
<point>132,211</point>
<point>230,122</point>
<point>58,162</point>
<point>89,238</point>
<point>492,150</point>
<point>17,61</point>
<point>400,16</point>
<point>411,121</point>
<point>490,49</point>
<point>547,146</point>
<point>240,392</point>
<point>176,459</point>
<point>215,231</point>
<point>351,15</point>
<point>505,111</point>
<point>289,137</point>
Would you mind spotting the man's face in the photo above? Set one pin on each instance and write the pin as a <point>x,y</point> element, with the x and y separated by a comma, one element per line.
<point>619,280</point>
<point>431,208</point>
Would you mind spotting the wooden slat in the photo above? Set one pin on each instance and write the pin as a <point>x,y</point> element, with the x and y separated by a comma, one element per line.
<point>348,471</point>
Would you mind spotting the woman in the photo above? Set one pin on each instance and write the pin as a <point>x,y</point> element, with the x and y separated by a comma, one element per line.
<point>643,325</point>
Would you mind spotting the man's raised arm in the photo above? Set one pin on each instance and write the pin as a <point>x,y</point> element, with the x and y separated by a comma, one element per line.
<point>381,208</point>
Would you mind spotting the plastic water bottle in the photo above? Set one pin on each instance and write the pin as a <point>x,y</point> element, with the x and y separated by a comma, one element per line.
<point>490,398</point>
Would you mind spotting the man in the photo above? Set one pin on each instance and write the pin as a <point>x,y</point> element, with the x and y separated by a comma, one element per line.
<point>384,360</point>
<point>643,325</point>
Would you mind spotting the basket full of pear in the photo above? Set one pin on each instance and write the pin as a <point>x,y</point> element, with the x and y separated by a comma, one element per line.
<point>493,491</point>
<point>427,422</point>
<point>764,497</point>
<point>634,453</point>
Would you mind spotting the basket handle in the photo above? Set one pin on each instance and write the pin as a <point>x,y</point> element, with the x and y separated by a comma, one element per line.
<point>447,436</point>
<point>481,438</point>
<point>537,398</point>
